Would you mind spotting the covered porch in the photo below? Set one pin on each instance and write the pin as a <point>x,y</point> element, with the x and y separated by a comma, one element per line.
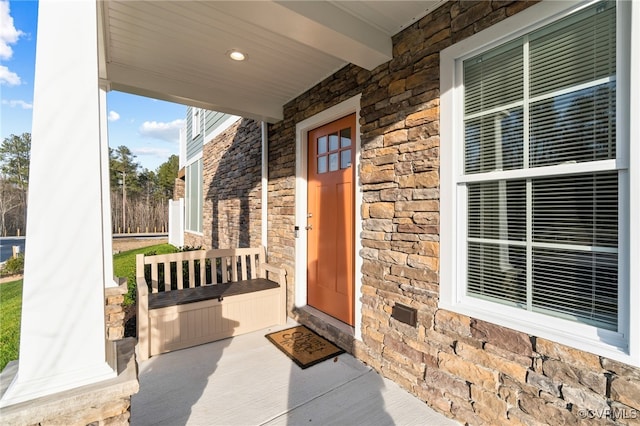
<point>246,380</point>
<point>397,67</point>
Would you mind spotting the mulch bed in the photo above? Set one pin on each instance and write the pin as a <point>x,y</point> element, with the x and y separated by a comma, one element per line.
<point>9,278</point>
<point>130,329</point>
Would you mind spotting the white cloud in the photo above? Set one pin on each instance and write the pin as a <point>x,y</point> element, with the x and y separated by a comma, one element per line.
<point>153,152</point>
<point>8,32</point>
<point>113,116</point>
<point>8,77</point>
<point>169,132</point>
<point>13,103</point>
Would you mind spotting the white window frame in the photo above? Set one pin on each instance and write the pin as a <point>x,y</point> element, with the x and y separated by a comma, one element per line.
<point>623,345</point>
<point>196,122</point>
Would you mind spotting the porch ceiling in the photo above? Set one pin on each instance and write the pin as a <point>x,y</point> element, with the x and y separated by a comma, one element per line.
<point>177,50</point>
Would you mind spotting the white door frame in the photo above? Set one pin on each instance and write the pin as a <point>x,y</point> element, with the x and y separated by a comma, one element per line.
<point>350,106</point>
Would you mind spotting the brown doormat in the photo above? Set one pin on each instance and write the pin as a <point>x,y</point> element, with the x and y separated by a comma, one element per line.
<point>303,346</point>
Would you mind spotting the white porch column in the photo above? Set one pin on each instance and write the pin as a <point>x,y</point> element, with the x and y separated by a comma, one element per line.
<point>62,343</point>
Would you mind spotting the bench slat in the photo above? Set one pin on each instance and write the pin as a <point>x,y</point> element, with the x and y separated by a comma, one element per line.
<point>192,273</point>
<point>203,272</point>
<point>243,266</point>
<point>234,268</point>
<point>225,269</point>
<point>167,276</point>
<point>154,277</point>
<point>179,276</point>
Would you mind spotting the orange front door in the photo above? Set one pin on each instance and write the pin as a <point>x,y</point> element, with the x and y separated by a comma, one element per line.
<point>330,235</point>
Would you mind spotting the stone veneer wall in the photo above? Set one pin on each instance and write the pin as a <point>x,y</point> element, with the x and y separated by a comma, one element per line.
<point>470,370</point>
<point>114,313</point>
<point>178,188</point>
<point>232,181</point>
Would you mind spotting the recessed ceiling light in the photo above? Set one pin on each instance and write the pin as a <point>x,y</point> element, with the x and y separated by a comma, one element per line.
<point>237,55</point>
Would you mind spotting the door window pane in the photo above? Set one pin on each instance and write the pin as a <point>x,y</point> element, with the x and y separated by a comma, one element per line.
<point>333,142</point>
<point>322,145</point>
<point>345,137</point>
<point>345,159</point>
<point>333,162</point>
<point>322,164</point>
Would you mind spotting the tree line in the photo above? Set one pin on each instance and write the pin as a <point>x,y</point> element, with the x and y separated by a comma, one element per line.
<point>139,196</point>
<point>14,182</point>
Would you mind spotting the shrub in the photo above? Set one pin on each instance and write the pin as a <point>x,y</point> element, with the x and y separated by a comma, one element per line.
<point>13,266</point>
<point>190,248</point>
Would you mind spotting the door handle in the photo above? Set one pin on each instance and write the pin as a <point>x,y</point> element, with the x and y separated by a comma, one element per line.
<point>308,227</point>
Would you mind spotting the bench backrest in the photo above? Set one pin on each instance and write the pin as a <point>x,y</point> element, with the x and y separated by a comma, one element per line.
<point>190,269</point>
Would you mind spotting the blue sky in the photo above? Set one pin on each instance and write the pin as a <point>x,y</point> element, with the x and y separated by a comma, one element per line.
<point>149,127</point>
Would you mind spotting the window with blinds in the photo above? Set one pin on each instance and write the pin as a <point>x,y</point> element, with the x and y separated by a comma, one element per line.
<point>539,172</point>
<point>193,196</point>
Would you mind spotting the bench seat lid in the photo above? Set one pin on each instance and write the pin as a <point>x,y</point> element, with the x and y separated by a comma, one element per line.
<point>208,292</point>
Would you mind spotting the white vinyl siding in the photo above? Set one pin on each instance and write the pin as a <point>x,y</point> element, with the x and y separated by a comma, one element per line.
<point>539,179</point>
<point>216,123</point>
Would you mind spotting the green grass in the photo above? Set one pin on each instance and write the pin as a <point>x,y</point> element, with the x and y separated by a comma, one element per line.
<point>10,308</point>
<point>124,265</point>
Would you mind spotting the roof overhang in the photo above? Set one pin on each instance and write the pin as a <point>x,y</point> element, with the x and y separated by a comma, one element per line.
<point>178,50</point>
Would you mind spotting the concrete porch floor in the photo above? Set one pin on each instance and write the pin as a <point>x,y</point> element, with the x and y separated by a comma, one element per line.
<point>246,380</point>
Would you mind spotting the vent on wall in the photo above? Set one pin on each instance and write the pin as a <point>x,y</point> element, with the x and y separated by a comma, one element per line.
<point>404,314</point>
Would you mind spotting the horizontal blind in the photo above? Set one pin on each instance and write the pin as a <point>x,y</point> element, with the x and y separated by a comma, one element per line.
<point>496,224</point>
<point>494,84</point>
<point>578,285</point>
<point>579,210</point>
<point>574,245</point>
<point>564,227</point>
<point>497,210</point>
<point>497,272</point>
<point>575,240</point>
<point>577,50</point>
<point>572,87</point>
<point>493,79</point>
<point>493,142</point>
<point>574,127</point>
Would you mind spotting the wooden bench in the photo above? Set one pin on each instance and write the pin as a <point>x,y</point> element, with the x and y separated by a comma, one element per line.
<point>197,297</point>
